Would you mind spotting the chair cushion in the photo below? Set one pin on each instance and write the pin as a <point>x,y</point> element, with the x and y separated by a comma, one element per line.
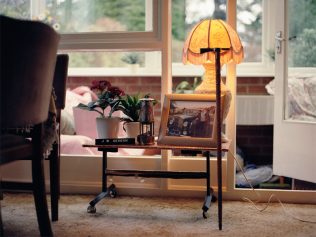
<point>14,147</point>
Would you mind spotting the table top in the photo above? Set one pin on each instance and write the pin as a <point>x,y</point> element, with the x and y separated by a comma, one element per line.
<point>225,147</point>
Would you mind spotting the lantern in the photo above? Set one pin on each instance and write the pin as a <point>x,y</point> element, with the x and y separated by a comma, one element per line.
<point>146,119</point>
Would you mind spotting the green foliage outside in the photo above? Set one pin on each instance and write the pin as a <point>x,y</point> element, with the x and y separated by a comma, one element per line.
<point>303,54</point>
<point>302,50</point>
<point>15,8</point>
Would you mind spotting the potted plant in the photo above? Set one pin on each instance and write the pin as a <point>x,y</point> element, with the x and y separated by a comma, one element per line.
<point>109,99</point>
<point>133,60</point>
<point>185,87</point>
<point>130,106</point>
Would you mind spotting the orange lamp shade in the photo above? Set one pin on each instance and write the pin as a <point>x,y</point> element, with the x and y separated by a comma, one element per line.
<point>212,34</point>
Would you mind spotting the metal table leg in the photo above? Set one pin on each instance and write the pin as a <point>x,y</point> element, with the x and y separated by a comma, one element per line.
<point>209,191</point>
<point>106,191</point>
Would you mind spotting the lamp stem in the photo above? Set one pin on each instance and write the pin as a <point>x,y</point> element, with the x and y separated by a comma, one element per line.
<point>219,134</point>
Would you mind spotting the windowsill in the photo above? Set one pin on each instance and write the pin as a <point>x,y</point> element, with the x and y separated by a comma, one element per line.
<point>101,72</point>
<point>243,70</point>
<point>176,72</point>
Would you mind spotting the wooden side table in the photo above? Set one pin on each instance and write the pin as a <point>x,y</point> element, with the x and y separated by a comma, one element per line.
<point>111,190</point>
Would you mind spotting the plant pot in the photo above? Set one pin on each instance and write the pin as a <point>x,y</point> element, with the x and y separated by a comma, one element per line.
<point>108,127</point>
<point>132,129</point>
<point>133,68</point>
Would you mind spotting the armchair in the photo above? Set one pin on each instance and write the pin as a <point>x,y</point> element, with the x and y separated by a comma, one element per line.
<point>28,56</point>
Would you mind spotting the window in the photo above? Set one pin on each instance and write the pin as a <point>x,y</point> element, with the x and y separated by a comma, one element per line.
<point>185,14</point>
<point>91,26</point>
<point>253,19</point>
<point>98,15</point>
<point>18,9</point>
<point>82,15</point>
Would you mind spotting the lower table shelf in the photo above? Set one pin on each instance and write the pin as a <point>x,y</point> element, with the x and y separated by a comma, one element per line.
<point>158,174</point>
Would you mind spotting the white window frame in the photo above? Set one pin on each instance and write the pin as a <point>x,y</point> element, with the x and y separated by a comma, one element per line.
<point>263,68</point>
<point>150,41</point>
<point>266,66</point>
<point>111,41</point>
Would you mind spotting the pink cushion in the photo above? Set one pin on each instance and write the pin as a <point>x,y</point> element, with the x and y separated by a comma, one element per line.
<point>85,122</point>
<point>73,145</point>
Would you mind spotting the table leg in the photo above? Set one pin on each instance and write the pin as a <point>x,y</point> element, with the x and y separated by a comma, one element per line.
<point>219,178</point>
<point>105,190</point>
<point>209,191</point>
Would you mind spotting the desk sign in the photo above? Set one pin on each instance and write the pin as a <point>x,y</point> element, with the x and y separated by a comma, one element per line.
<point>115,141</point>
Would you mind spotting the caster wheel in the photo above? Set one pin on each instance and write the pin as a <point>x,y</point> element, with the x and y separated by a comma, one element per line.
<point>91,209</point>
<point>112,191</point>
<point>204,215</point>
<point>214,199</point>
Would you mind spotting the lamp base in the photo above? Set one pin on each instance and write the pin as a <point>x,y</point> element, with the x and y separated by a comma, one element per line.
<point>208,86</point>
<point>227,100</point>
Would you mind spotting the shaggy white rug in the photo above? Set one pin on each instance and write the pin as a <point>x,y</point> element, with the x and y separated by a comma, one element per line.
<point>145,216</point>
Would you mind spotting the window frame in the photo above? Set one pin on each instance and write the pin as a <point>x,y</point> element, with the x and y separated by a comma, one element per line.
<point>149,41</point>
<point>111,41</point>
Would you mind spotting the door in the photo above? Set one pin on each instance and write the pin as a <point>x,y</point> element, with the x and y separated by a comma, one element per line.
<point>295,91</point>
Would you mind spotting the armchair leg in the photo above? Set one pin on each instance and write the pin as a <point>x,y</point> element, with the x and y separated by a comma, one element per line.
<point>40,197</point>
<point>1,226</point>
<point>54,180</point>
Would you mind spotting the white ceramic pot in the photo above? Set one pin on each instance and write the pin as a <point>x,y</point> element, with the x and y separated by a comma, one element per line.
<point>134,68</point>
<point>132,129</point>
<point>108,127</point>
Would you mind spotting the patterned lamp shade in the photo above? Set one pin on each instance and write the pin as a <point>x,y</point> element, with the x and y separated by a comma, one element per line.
<point>210,34</point>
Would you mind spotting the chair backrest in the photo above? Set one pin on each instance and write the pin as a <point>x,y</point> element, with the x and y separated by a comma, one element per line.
<point>28,57</point>
<point>60,80</point>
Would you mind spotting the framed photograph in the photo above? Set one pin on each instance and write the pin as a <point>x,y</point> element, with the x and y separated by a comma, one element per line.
<point>189,120</point>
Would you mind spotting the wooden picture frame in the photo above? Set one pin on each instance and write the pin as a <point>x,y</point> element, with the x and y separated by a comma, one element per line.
<point>189,120</point>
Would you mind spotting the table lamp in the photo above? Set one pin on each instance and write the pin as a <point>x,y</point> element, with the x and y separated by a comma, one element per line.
<point>207,37</point>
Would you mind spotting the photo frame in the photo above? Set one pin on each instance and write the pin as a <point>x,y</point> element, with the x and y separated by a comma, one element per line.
<point>189,120</point>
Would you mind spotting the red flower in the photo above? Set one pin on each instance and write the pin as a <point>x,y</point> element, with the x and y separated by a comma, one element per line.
<point>116,91</point>
<point>108,96</point>
<point>100,85</point>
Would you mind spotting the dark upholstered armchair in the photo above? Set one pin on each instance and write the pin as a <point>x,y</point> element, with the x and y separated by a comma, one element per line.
<point>28,57</point>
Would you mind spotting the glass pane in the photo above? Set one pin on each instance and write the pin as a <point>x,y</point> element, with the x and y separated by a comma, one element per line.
<point>301,93</point>
<point>98,15</point>
<point>105,59</point>
<point>68,16</point>
<point>249,27</point>
<point>17,9</point>
<point>185,14</point>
